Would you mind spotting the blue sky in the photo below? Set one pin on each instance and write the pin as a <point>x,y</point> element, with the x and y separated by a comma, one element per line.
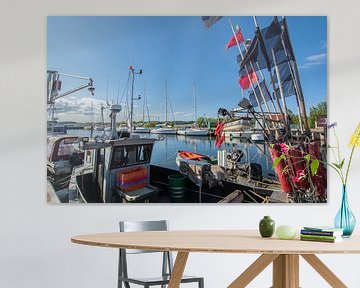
<point>176,49</point>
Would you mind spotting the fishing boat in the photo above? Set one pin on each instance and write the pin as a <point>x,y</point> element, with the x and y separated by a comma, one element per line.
<point>266,103</point>
<point>236,171</point>
<point>119,170</point>
<point>64,153</point>
<point>241,125</point>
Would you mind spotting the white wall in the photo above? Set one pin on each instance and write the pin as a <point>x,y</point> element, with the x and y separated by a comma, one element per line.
<point>35,248</point>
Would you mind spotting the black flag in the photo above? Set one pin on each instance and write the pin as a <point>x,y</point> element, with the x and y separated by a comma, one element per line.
<point>286,79</point>
<point>210,20</point>
<point>265,91</point>
<point>268,41</point>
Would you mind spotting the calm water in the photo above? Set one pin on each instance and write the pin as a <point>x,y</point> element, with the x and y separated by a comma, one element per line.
<point>164,153</point>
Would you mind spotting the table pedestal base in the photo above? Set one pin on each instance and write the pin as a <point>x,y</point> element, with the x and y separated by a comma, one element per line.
<point>286,271</point>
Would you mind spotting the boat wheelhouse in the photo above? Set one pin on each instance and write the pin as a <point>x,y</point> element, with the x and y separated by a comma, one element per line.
<point>112,164</point>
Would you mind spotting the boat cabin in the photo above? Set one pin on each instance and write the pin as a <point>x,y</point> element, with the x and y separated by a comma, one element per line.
<point>120,164</point>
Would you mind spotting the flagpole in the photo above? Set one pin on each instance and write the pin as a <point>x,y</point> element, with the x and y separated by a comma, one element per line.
<point>297,81</point>
<point>280,87</point>
<point>295,85</point>
<point>263,78</point>
<point>247,73</point>
<point>257,81</point>
<point>273,84</point>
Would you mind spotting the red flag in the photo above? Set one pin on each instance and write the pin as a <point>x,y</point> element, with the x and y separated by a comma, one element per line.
<point>232,41</point>
<point>247,79</point>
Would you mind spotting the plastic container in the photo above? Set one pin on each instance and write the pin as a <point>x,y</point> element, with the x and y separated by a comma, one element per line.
<point>132,179</point>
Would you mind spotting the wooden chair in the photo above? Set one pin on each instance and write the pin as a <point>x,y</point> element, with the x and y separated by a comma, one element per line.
<point>163,280</point>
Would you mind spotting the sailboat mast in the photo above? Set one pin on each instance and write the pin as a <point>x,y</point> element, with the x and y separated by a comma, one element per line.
<point>195,107</point>
<point>132,99</point>
<point>132,71</point>
<point>166,104</point>
<point>143,112</point>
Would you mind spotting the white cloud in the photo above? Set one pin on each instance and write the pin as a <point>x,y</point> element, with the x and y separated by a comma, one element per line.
<point>78,109</point>
<point>314,60</point>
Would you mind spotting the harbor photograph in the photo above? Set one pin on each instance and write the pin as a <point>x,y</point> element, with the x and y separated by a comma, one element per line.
<point>187,109</point>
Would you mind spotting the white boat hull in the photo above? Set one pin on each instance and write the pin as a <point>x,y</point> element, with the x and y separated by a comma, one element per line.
<point>257,137</point>
<point>193,132</point>
<point>238,134</point>
<point>163,131</point>
<point>142,130</point>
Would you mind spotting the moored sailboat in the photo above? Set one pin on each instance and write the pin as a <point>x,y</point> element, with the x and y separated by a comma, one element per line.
<point>164,128</point>
<point>194,131</point>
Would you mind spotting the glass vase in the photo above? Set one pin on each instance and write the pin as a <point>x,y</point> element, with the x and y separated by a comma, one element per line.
<point>345,219</point>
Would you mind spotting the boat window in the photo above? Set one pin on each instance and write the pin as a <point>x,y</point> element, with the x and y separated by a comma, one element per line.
<point>124,156</point>
<point>66,147</point>
<point>88,156</point>
<point>144,153</point>
<point>119,159</point>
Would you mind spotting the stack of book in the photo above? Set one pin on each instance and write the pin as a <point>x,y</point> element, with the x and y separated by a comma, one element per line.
<point>321,234</point>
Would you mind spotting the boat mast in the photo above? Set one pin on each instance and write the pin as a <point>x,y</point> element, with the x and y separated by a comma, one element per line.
<point>132,71</point>
<point>195,107</point>
<point>143,110</point>
<point>166,104</point>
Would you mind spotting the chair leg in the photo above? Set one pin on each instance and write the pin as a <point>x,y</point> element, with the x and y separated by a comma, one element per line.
<point>201,283</point>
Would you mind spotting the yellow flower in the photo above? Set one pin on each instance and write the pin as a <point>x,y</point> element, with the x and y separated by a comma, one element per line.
<point>355,138</point>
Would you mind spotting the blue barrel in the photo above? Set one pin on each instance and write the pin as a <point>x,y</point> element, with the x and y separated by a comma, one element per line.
<point>177,184</point>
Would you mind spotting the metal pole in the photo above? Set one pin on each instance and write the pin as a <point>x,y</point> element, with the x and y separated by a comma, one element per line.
<point>143,118</point>
<point>278,103</point>
<point>302,107</point>
<point>280,85</point>
<point>247,72</point>
<point>166,102</point>
<point>132,98</point>
<point>195,108</point>
<point>297,92</point>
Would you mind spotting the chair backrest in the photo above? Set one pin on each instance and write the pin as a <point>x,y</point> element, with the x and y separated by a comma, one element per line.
<point>135,226</point>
